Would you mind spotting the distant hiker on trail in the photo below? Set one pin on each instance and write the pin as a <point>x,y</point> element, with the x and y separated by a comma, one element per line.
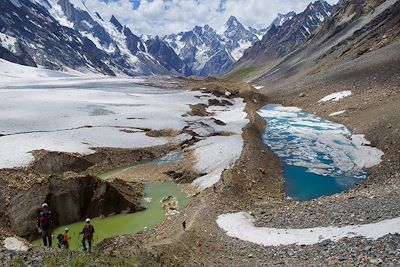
<point>63,239</point>
<point>45,225</point>
<point>184,225</point>
<point>88,231</point>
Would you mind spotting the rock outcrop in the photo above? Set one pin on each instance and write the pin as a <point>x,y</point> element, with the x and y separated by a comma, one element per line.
<point>71,198</point>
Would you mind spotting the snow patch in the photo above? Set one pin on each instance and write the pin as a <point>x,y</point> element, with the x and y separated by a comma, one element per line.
<point>241,225</point>
<point>214,155</point>
<point>12,243</point>
<point>8,42</point>
<point>57,12</point>
<point>337,113</point>
<point>9,72</point>
<point>238,52</point>
<point>217,153</point>
<point>336,96</point>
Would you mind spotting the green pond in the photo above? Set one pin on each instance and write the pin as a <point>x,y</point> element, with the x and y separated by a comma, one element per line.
<point>132,223</point>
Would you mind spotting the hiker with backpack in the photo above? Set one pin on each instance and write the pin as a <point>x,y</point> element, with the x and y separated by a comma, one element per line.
<point>45,225</point>
<point>63,239</point>
<point>88,231</point>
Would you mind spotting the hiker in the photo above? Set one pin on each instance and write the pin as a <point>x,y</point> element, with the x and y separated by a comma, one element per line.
<point>184,225</point>
<point>45,225</point>
<point>88,231</point>
<point>63,239</point>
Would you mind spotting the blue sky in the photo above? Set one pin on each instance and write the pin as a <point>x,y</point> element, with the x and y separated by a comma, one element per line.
<point>160,17</point>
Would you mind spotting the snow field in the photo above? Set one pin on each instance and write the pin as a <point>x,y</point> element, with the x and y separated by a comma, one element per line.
<point>112,112</point>
<point>10,72</point>
<point>72,120</point>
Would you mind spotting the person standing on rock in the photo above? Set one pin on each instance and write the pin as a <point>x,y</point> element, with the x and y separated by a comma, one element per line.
<point>45,225</point>
<point>88,231</point>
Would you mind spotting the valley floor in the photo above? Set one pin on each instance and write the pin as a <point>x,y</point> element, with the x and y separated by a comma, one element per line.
<point>254,184</point>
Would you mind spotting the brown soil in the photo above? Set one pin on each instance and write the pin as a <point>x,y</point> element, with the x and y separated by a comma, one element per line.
<point>163,133</point>
<point>198,110</point>
<point>180,172</point>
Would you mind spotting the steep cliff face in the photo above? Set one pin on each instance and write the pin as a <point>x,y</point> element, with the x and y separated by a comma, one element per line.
<point>71,199</point>
<point>46,41</point>
<point>166,56</point>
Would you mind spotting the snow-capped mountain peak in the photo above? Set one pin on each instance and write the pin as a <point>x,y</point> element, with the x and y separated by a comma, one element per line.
<point>233,22</point>
<point>282,18</point>
<point>209,52</point>
<point>116,23</point>
<point>78,38</point>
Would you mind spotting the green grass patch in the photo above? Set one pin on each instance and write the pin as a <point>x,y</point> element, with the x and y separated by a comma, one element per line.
<point>243,73</point>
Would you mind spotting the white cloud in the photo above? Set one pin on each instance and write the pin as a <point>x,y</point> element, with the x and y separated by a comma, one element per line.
<point>172,16</point>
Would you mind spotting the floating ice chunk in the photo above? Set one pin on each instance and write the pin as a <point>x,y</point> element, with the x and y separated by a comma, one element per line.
<point>172,212</point>
<point>359,140</point>
<point>324,147</point>
<point>336,96</point>
<point>355,149</point>
<point>337,113</point>
<point>279,111</point>
<point>148,199</point>
<point>241,225</point>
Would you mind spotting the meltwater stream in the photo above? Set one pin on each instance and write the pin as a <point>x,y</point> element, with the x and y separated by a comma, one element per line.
<point>319,157</point>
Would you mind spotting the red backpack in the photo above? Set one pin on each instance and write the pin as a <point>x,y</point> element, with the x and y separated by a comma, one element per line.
<point>45,220</point>
<point>88,231</point>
